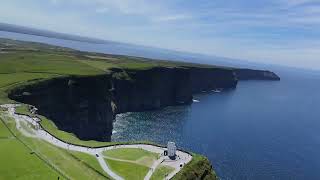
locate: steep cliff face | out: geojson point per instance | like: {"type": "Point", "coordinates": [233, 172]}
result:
{"type": "Point", "coordinates": [79, 105]}
{"type": "Point", "coordinates": [249, 74]}
{"type": "Point", "coordinates": [141, 90]}
{"type": "Point", "coordinates": [86, 106]}
{"type": "Point", "coordinates": [206, 79]}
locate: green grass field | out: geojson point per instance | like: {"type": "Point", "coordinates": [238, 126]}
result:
{"type": "Point", "coordinates": [53, 161]}
{"type": "Point", "coordinates": [14, 78]}
{"type": "Point", "coordinates": [41, 62]}
{"type": "Point", "coordinates": [130, 171]}
{"type": "Point", "coordinates": [17, 162]}
{"type": "Point", "coordinates": [132, 154]}
{"type": "Point", "coordinates": [4, 132]}
{"type": "Point", "coordinates": [91, 161]}
{"type": "Point", "coordinates": [65, 162]}
{"type": "Point", "coordinates": [99, 64]}
{"type": "Point", "coordinates": [135, 164]}
{"type": "Point", "coordinates": [161, 172]}
{"type": "Point", "coordinates": [23, 109]}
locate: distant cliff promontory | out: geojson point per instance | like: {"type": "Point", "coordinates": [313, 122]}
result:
{"type": "Point", "coordinates": [249, 74]}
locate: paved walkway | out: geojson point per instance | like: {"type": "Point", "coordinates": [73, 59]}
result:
{"type": "Point", "coordinates": [105, 167]}
{"type": "Point", "coordinates": [153, 168]}
{"type": "Point", "coordinates": [184, 158]}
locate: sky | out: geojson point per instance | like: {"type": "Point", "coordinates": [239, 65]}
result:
{"type": "Point", "coordinates": [285, 32]}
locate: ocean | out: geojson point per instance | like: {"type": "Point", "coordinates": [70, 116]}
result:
{"type": "Point", "coordinates": [260, 130]}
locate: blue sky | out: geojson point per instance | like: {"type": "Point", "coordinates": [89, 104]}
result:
{"type": "Point", "coordinates": [283, 32]}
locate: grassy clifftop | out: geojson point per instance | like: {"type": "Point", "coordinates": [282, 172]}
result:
{"type": "Point", "coordinates": [198, 168]}
{"type": "Point", "coordinates": [22, 62]}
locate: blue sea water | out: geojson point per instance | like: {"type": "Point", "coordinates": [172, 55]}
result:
{"type": "Point", "coordinates": [260, 130]}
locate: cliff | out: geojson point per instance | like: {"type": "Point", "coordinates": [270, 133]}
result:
{"type": "Point", "coordinates": [80, 105]}
{"type": "Point", "coordinates": [86, 106]}
{"type": "Point", "coordinates": [207, 79]}
{"type": "Point", "coordinates": [249, 74]}
{"type": "Point", "coordinates": [141, 90]}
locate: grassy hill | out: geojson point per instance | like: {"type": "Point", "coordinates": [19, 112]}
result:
{"type": "Point", "coordinates": [31, 158]}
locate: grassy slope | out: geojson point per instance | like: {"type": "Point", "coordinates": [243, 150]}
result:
{"type": "Point", "coordinates": [72, 167]}
{"type": "Point", "coordinates": [40, 62]}
{"type": "Point", "coordinates": [20, 67]}
{"type": "Point", "coordinates": [198, 168]}
{"type": "Point", "coordinates": [4, 132]}
{"type": "Point", "coordinates": [131, 154]}
{"type": "Point", "coordinates": [18, 163]}
{"type": "Point", "coordinates": [59, 162]}
{"type": "Point", "coordinates": [127, 170]}
{"type": "Point", "coordinates": [90, 161]}
{"type": "Point", "coordinates": [161, 172]}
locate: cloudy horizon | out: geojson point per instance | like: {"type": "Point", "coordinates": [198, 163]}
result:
{"type": "Point", "coordinates": [284, 32]}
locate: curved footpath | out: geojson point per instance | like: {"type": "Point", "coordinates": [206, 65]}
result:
{"type": "Point", "coordinates": [183, 158]}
